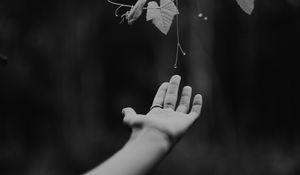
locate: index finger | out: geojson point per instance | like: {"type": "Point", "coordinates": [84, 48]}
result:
{"type": "Point", "coordinates": [160, 95]}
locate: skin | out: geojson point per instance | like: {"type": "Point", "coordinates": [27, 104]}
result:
{"type": "Point", "coordinates": [154, 134]}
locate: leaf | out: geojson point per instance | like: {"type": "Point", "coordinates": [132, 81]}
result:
{"type": "Point", "coordinates": [136, 11]}
{"type": "Point", "coordinates": [246, 5]}
{"type": "Point", "coordinates": [162, 16]}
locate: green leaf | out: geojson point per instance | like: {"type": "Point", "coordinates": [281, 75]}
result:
{"type": "Point", "coordinates": [246, 5]}
{"type": "Point", "coordinates": [162, 16]}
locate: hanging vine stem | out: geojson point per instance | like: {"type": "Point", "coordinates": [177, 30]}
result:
{"type": "Point", "coordinates": [119, 4]}
{"type": "Point", "coordinates": [116, 11]}
{"type": "Point", "coordinates": [130, 6]}
{"type": "Point", "coordinates": [178, 45]}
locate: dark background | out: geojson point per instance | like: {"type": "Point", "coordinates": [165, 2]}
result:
{"type": "Point", "coordinates": [72, 67]}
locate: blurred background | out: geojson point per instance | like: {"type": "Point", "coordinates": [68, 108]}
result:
{"type": "Point", "coordinates": [71, 68]}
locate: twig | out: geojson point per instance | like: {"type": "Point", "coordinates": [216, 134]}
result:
{"type": "Point", "coordinates": [130, 6]}
{"type": "Point", "coordinates": [178, 46]}
{"type": "Point", "coordinates": [119, 4]}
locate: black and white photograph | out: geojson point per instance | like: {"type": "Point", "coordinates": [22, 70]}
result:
{"type": "Point", "coordinates": [149, 87]}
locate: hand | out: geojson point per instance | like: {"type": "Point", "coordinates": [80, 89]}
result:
{"type": "Point", "coordinates": [164, 117]}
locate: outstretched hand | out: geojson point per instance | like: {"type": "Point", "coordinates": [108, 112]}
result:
{"type": "Point", "coordinates": [154, 134]}
{"type": "Point", "coordinates": [164, 116]}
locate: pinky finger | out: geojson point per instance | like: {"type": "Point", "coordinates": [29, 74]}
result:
{"type": "Point", "coordinates": [196, 107]}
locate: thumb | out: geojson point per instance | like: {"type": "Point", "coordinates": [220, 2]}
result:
{"type": "Point", "coordinates": [130, 116]}
{"type": "Point", "coordinates": [128, 111]}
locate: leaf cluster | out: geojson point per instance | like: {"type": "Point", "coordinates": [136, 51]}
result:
{"type": "Point", "coordinates": [162, 14]}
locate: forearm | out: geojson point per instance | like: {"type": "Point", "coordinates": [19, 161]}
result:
{"type": "Point", "coordinates": [154, 133]}
{"type": "Point", "coordinates": [137, 157]}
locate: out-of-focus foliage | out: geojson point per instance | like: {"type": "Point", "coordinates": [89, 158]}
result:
{"type": "Point", "coordinates": [71, 69]}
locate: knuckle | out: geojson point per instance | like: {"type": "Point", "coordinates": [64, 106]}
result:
{"type": "Point", "coordinates": [169, 105]}
{"type": "Point", "coordinates": [171, 99]}
{"type": "Point", "coordinates": [197, 103]}
{"type": "Point", "coordinates": [185, 94]}
{"type": "Point", "coordinates": [196, 108]}
{"type": "Point", "coordinates": [184, 101]}
{"type": "Point", "coordinates": [182, 108]}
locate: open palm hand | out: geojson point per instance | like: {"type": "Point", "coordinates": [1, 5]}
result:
{"type": "Point", "coordinates": [164, 117]}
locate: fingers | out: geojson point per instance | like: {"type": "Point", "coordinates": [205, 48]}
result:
{"type": "Point", "coordinates": [171, 95]}
{"type": "Point", "coordinates": [197, 105]}
{"type": "Point", "coordinates": [160, 95]}
{"type": "Point", "coordinates": [185, 99]}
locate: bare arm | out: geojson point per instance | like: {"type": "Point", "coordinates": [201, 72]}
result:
{"type": "Point", "coordinates": [155, 133]}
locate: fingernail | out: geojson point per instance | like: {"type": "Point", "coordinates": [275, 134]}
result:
{"type": "Point", "coordinates": [188, 87]}
{"type": "Point", "coordinates": [177, 76]}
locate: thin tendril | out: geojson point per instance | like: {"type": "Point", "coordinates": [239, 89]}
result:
{"type": "Point", "coordinates": [130, 6]}
{"type": "Point", "coordinates": [116, 11]}
{"type": "Point", "coordinates": [119, 4]}
{"type": "Point", "coordinates": [178, 47]}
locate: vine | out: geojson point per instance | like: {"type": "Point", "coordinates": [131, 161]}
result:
{"type": "Point", "coordinates": [162, 15]}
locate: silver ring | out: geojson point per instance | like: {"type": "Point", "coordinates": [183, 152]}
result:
{"type": "Point", "coordinates": [155, 106]}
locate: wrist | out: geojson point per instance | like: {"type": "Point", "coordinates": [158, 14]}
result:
{"type": "Point", "coordinates": [151, 136]}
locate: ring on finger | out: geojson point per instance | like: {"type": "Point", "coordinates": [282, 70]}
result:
{"type": "Point", "coordinates": [156, 106]}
